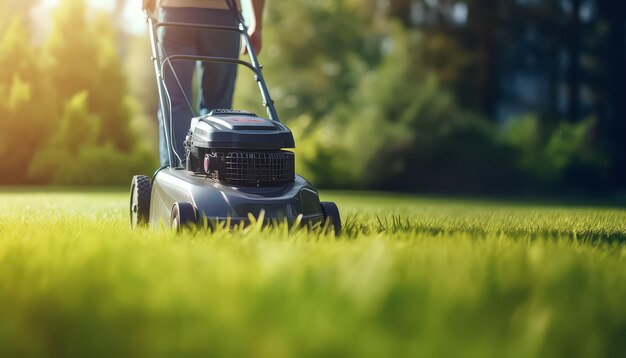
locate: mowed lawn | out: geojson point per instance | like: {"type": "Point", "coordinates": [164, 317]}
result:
{"type": "Point", "coordinates": [410, 277]}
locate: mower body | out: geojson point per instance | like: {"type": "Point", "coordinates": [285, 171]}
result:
{"type": "Point", "coordinates": [235, 165]}
{"type": "Point", "coordinates": [225, 203]}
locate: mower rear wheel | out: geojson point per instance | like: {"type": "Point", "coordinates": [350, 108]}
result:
{"type": "Point", "coordinates": [140, 192]}
{"type": "Point", "coordinates": [184, 215]}
{"type": "Point", "coordinates": [331, 213]}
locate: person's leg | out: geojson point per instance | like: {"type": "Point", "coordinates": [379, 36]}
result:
{"type": "Point", "coordinates": [178, 82]}
{"type": "Point", "coordinates": [218, 79]}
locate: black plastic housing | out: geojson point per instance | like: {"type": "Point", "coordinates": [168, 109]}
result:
{"type": "Point", "coordinates": [235, 129]}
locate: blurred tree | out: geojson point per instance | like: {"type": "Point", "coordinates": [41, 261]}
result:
{"type": "Point", "coordinates": [83, 56]}
{"type": "Point", "coordinates": [382, 94]}
{"type": "Point", "coordinates": [26, 102]}
{"type": "Point", "coordinates": [64, 109]}
{"type": "Point", "coordinates": [461, 40]}
{"type": "Point", "coordinates": [613, 114]}
{"type": "Point", "coordinates": [73, 154]}
{"type": "Point", "coordinates": [574, 52]}
{"type": "Point", "coordinates": [480, 37]}
{"type": "Point", "coordinates": [77, 128]}
{"type": "Point", "coordinates": [401, 130]}
{"type": "Point", "coordinates": [552, 43]}
{"type": "Point", "coordinates": [11, 8]}
{"type": "Point", "coordinates": [317, 51]}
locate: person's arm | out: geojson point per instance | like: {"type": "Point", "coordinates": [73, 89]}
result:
{"type": "Point", "coordinates": [148, 5]}
{"type": "Point", "coordinates": [257, 31]}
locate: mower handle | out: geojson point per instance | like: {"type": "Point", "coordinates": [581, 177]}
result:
{"type": "Point", "coordinates": [196, 26]}
{"type": "Point", "coordinates": [159, 62]}
{"type": "Point", "coordinates": [254, 64]}
{"type": "Point", "coordinates": [258, 76]}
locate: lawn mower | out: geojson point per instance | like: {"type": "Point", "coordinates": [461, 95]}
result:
{"type": "Point", "coordinates": [234, 164]}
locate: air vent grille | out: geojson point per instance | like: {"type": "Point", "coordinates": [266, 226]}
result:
{"type": "Point", "coordinates": [258, 167]}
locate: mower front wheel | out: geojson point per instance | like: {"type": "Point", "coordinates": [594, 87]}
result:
{"type": "Point", "coordinates": [140, 192]}
{"type": "Point", "coordinates": [184, 215]}
{"type": "Point", "coordinates": [331, 213]}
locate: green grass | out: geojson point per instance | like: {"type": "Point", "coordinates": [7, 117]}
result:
{"type": "Point", "coordinates": [412, 276]}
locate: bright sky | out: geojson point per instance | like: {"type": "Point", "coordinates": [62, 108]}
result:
{"type": "Point", "coordinates": [133, 18]}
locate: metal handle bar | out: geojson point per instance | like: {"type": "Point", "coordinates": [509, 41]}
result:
{"type": "Point", "coordinates": [254, 65]}
{"type": "Point", "coordinates": [159, 63]}
{"type": "Point", "coordinates": [213, 59]}
{"type": "Point", "coordinates": [267, 102]}
{"type": "Point", "coordinates": [241, 30]}
{"type": "Point", "coordinates": [196, 26]}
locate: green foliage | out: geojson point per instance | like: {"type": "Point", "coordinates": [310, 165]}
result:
{"type": "Point", "coordinates": [373, 104]}
{"type": "Point", "coordinates": [525, 134]}
{"type": "Point", "coordinates": [412, 277]}
{"type": "Point", "coordinates": [16, 52]}
{"type": "Point", "coordinates": [15, 98]}
{"type": "Point", "coordinates": [571, 142]}
{"type": "Point", "coordinates": [65, 105]}
{"type": "Point", "coordinates": [315, 52]}
{"type": "Point", "coordinates": [566, 157]}
{"type": "Point", "coordinates": [89, 60]}
{"type": "Point", "coordinates": [26, 102]}
{"type": "Point", "coordinates": [74, 156]}
{"type": "Point", "coordinates": [402, 130]}
{"type": "Point", "coordinates": [389, 118]}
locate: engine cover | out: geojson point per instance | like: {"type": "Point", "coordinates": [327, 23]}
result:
{"type": "Point", "coordinates": [236, 129]}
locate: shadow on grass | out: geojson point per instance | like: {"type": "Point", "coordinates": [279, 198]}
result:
{"type": "Point", "coordinates": [617, 201]}
{"type": "Point", "coordinates": [352, 227]}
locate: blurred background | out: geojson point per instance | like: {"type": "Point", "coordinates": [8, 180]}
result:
{"type": "Point", "coordinates": [434, 96]}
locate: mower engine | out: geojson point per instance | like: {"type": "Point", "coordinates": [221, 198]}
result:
{"type": "Point", "coordinates": [239, 148]}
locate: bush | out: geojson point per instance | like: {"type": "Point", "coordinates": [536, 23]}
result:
{"type": "Point", "coordinates": [74, 156]}
{"type": "Point", "coordinates": [66, 121]}
{"type": "Point", "coordinates": [402, 131]}
{"type": "Point", "coordinates": [565, 159]}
